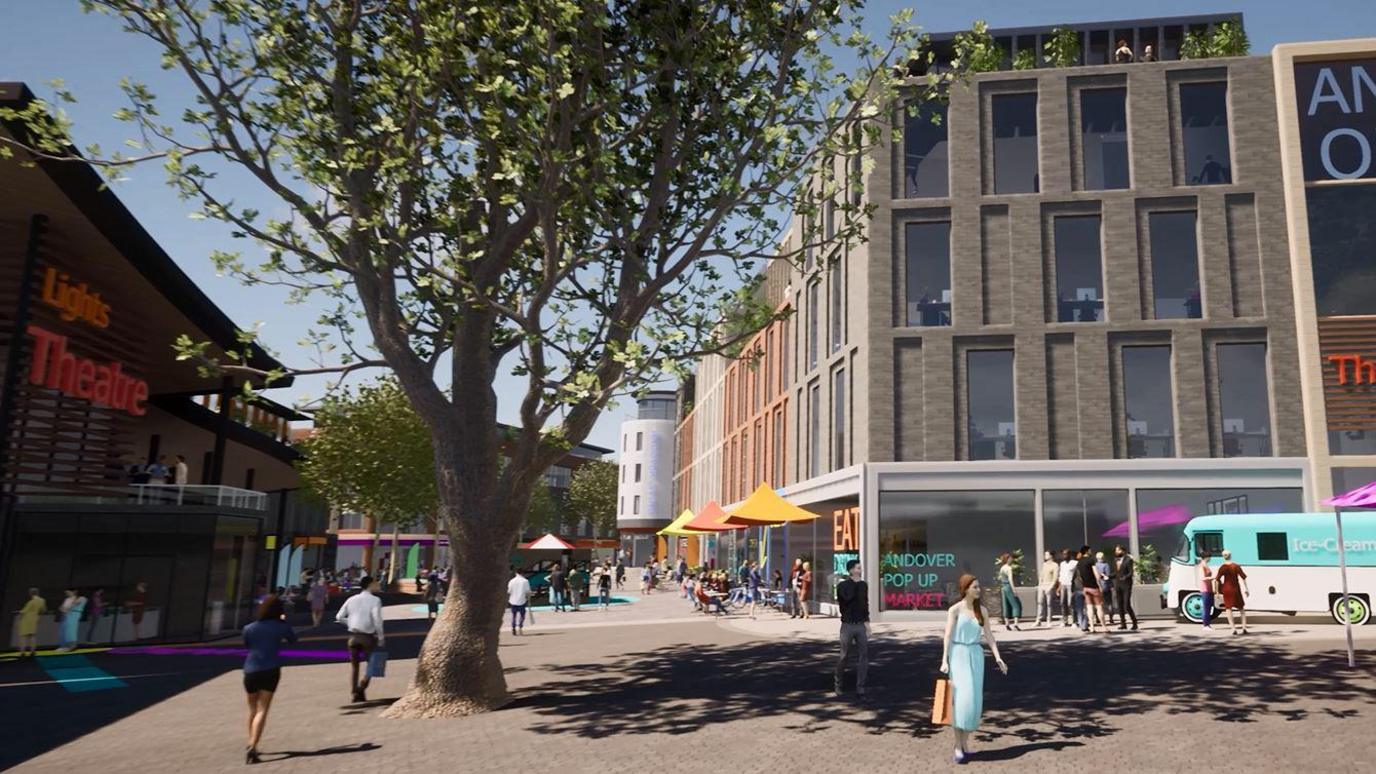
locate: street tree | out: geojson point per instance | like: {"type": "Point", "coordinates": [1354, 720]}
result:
{"type": "Point", "coordinates": [592, 496]}
{"type": "Point", "coordinates": [571, 192]}
{"type": "Point", "coordinates": [371, 453]}
{"type": "Point", "coordinates": [542, 515]}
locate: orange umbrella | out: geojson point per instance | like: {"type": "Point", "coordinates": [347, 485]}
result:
{"type": "Point", "coordinates": [711, 519]}
{"type": "Point", "coordinates": [765, 508]}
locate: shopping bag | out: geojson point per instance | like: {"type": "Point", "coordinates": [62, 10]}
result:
{"type": "Point", "coordinates": [377, 664]}
{"type": "Point", "coordinates": [941, 702]}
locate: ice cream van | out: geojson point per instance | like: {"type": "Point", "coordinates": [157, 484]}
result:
{"type": "Point", "coordinates": [1291, 561]}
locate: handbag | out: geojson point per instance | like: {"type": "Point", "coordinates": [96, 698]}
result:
{"type": "Point", "coordinates": [377, 664]}
{"type": "Point", "coordinates": [941, 702]}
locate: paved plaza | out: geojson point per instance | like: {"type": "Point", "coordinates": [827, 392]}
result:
{"type": "Point", "coordinates": [653, 685]}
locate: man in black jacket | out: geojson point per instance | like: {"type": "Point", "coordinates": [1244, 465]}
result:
{"type": "Point", "coordinates": [853, 597]}
{"type": "Point", "coordinates": [1122, 587]}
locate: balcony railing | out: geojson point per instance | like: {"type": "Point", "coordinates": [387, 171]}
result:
{"type": "Point", "coordinates": [201, 494]}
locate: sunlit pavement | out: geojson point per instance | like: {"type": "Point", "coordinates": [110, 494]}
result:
{"type": "Point", "coordinates": [601, 691]}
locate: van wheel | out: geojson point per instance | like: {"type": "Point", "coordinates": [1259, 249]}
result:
{"type": "Point", "coordinates": [1358, 609]}
{"type": "Point", "coordinates": [1192, 607]}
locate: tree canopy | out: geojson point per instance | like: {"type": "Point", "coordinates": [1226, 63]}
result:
{"type": "Point", "coordinates": [592, 496]}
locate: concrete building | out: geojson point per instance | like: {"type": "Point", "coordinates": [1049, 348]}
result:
{"type": "Point", "coordinates": [645, 479]}
{"type": "Point", "coordinates": [1073, 322]}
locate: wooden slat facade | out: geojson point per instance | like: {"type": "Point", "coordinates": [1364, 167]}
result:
{"type": "Point", "coordinates": [1350, 406]}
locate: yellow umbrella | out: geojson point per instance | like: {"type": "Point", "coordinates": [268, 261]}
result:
{"type": "Point", "coordinates": [676, 526]}
{"type": "Point", "coordinates": [764, 507]}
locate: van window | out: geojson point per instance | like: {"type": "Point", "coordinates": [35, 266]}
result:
{"type": "Point", "coordinates": [1272, 547]}
{"type": "Point", "coordinates": [1212, 542]}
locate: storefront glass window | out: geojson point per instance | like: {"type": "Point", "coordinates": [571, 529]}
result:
{"type": "Point", "coordinates": [1104, 138]}
{"type": "Point", "coordinates": [927, 540]}
{"type": "Point", "coordinates": [1204, 129]}
{"type": "Point", "coordinates": [1342, 243]}
{"type": "Point", "coordinates": [1079, 270]}
{"type": "Point", "coordinates": [1244, 400]}
{"type": "Point", "coordinates": [1015, 143]}
{"type": "Point", "coordinates": [990, 405]}
{"type": "Point", "coordinates": [1097, 518]}
{"type": "Point", "coordinates": [1148, 398]}
{"type": "Point", "coordinates": [925, 161]}
{"type": "Point", "coordinates": [1175, 266]}
{"type": "Point", "coordinates": [1163, 513]}
{"type": "Point", "coordinates": [928, 247]}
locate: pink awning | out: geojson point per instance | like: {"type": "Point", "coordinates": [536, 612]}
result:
{"type": "Point", "coordinates": [1156, 517]}
{"type": "Point", "coordinates": [1362, 497]}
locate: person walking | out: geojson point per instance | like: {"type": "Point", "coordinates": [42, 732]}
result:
{"type": "Point", "coordinates": [647, 577]}
{"type": "Point", "coordinates": [517, 598]}
{"type": "Point", "coordinates": [962, 658]}
{"type": "Point", "coordinates": [361, 614]}
{"type": "Point", "coordinates": [95, 609]}
{"type": "Point", "coordinates": [29, 614]}
{"type": "Point", "coordinates": [1232, 585]}
{"type": "Point", "coordinates": [1012, 606]}
{"type": "Point", "coordinates": [604, 587]}
{"type": "Point", "coordinates": [793, 579]}
{"type": "Point", "coordinates": [1066, 584]}
{"type": "Point", "coordinates": [576, 580]}
{"type": "Point", "coordinates": [1123, 572]}
{"type": "Point", "coordinates": [1046, 587]}
{"type": "Point", "coordinates": [557, 586]}
{"type": "Point", "coordinates": [433, 595]}
{"type": "Point", "coordinates": [73, 605]}
{"type": "Point", "coordinates": [318, 595]}
{"type": "Point", "coordinates": [263, 666]}
{"type": "Point", "coordinates": [1205, 574]}
{"type": "Point", "coordinates": [754, 586]}
{"type": "Point", "coordinates": [853, 598]}
{"type": "Point", "coordinates": [805, 590]}
{"type": "Point", "coordinates": [138, 607]}
{"type": "Point", "coordinates": [620, 574]}
{"type": "Point", "coordinates": [682, 569]}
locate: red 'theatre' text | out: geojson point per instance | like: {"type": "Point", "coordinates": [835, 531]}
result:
{"type": "Point", "coordinates": [104, 384]}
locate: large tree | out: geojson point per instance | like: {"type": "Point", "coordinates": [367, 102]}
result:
{"type": "Point", "coordinates": [592, 496]}
{"type": "Point", "coordinates": [563, 189]}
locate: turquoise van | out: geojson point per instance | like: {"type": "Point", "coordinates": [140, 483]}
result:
{"type": "Point", "coordinates": [1291, 561]}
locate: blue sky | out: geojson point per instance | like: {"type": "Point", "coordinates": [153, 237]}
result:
{"type": "Point", "coordinates": [50, 39]}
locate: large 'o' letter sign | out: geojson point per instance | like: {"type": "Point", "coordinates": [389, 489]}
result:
{"type": "Point", "coordinates": [1336, 103]}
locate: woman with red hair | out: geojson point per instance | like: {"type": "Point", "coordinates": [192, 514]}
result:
{"type": "Point", "coordinates": [962, 657]}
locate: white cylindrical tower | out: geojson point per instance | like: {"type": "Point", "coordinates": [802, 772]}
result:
{"type": "Point", "coordinates": [645, 479]}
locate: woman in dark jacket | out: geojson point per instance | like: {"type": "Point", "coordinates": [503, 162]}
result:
{"type": "Point", "coordinates": [263, 667]}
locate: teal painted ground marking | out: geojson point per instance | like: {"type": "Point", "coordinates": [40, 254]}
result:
{"type": "Point", "coordinates": [78, 675]}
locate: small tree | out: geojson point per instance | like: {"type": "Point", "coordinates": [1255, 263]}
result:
{"type": "Point", "coordinates": [1025, 60]}
{"type": "Point", "coordinates": [542, 516]}
{"type": "Point", "coordinates": [976, 51]}
{"type": "Point", "coordinates": [1063, 49]}
{"type": "Point", "coordinates": [592, 496]}
{"type": "Point", "coordinates": [1195, 45]}
{"type": "Point", "coordinates": [1229, 39]}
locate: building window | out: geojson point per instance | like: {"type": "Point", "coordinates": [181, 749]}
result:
{"type": "Point", "coordinates": [1015, 143]}
{"type": "Point", "coordinates": [637, 472]}
{"type": "Point", "coordinates": [837, 285]}
{"type": "Point", "coordinates": [1244, 400]}
{"type": "Point", "coordinates": [926, 163]}
{"type": "Point", "coordinates": [1079, 269]}
{"type": "Point", "coordinates": [1273, 547]}
{"type": "Point", "coordinates": [769, 355]}
{"type": "Point", "coordinates": [785, 346]}
{"type": "Point", "coordinates": [1342, 243]}
{"type": "Point", "coordinates": [989, 405]}
{"type": "Point", "coordinates": [813, 310]}
{"type": "Point", "coordinates": [639, 441]}
{"type": "Point", "coordinates": [814, 431]}
{"type": "Point", "coordinates": [928, 257]}
{"type": "Point", "coordinates": [838, 419]}
{"type": "Point", "coordinates": [623, 475]}
{"type": "Point", "coordinates": [1175, 266]}
{"type": "Point", "coordinates": [1148, 398]}
{"type": "Point", "coordinates": [1097, 518]}
{"type": "Point", "coordinates": [776, 476]}
{"type": "Point", "coordinates": [1204, 130]}
{"type": "Point", "coordinates": [636, 506]}
{"type": "Point", "coordinates": [927, 540]}
{"type": "Point", "coordinates": [621, 507]}
{"type": "Point", "coordinates": [625, 440]}
{"type": "Point", "coordinates": [1104, 138]}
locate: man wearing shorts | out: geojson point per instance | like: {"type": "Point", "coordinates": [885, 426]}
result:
{"type": "Point", "coordinates": [362, 615]}
{"type": "Point", "coordinates": [517, 597]}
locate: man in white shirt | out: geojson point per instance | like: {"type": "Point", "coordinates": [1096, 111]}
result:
{"type": "Point", "coordinates": [362, 615]}
{"type": "Point", "coordinates": [1067, 581]}
{"type": "Point", "coordinates": [518, 596]}
{"type": "Point", "coordinates": [180, 471]}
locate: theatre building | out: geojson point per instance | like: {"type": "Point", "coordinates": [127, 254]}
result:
{"type": "Point", "coordinates": [1074, 321]}
{"type": "Point", "coordinates": [90, 307]}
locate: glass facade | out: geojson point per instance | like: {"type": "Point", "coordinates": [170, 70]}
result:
{"type": "Point", "coordinates": [928, 259]}
{"type": "Point", "coordinates": [813, 310]}
{"type": "Point", "coordinates": [814, 431]}
{"type": "Point", "coordinates": [1244, 400]}
{"type": "Point", "coordinates": [1175, 266]}
{"type": "Point", "coordinates": [1104, 138]}
{"type": "Point", "coordinates": [927, 540]}
{"type": "Point", "coordinates": [1204, 131]}
{"type": "Point", "coordinates": [1342, 244]}
{"type": "Point", "coordinates": [837, 285]}
{"type": "Point", "coordinates": [1015, 143]}
{"type": "Point", "coordinates": [926, 164]}
{"type": "Point", "coordinates": [1148, 400]}
{"type": "Point", "coordinates": [1097, 518]}
{"type": "Point", "coordinates": [1079, 269]}
{"type": "Point", "coordinates": [990, 405]}
{"type": "Point", "coordinates": [1162, 514]}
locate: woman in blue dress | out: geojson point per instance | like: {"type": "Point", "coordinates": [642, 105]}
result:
{"type": "Point", "coordinates": [962, 658]}
{"type": "Point", "coordinates": [72, 609]}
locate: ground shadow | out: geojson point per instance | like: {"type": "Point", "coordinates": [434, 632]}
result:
{"type": "Point", "coordinates": [1019, 750]}
{"type": "Point", "coordinates": [281, 755]}
{"type": "Point", "coordinates": [1057, 691]}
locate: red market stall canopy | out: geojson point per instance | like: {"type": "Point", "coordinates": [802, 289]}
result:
{"type": "Point", "coordinates": [676, 527]}
{"type": "Point", "coordinates": [764, 507]}
{"type": "Point", "coordinates": [711, 519]}
{"type": "Point", "coordinates": [548, 543]}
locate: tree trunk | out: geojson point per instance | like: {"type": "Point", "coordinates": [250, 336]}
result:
{"type": "Point", "coordinates": [396, 546]}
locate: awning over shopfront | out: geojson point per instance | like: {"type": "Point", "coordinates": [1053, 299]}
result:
{"type": "Point", "coordinates": [1362, 497]}
{"type": "Point", "coordinates": [548, 543]}
{"type": "Point", "coordinates": [711, 519]}
{"type": "Point", "coordinates": [676, 527]}
{"type": "Point", "coordinates": [1153, 519]}
{"type": "Point", "coordinates": [764, 507]}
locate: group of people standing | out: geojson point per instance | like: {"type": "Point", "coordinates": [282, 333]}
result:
{"type": "Point", "coordinates": [1088, 589]}
{"type": "Point", "coordinates": [76, 608]}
